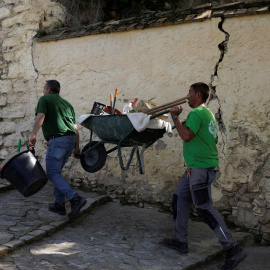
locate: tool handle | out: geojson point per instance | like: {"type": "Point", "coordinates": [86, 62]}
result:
{"type": "Point", "coordinates": [168, 105]}
{"type": "Point", "coordinates": [160, 108]}
{"type": "Point", "coordinates": [115, 96]}
{"type": "Point", "coordinates": [19, 145]}
{"type": "Point", "coordinates": [134, 102]}
{"type": "Point", "coordinates": [111, 98]}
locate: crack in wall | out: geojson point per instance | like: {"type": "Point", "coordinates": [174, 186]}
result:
{"type": "Point", "coordinates": [32, 55]}
{"type": "Point", "coordinates": [34, 66]}
{"type": "Point", "coordinates": [33, 61]}
{"type": "Point", "coordinates": [213, 95]}
{"type": "Point", "coordinates": [3, 62]}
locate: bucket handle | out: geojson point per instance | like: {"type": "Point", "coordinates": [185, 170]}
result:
{"type": "Point", "coordinates": [31, 149]}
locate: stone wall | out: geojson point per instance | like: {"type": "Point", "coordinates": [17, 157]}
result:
{"type": "Point", "coordinates": [158, 63]}
{"type": "Point", "coordinates": [243, 93]}
{"type": "Point", "coordinates": [19, 90]}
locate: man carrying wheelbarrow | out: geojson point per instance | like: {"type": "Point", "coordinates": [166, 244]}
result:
{"type": "Point", "coordinates": [57, 118]}
{"type": "Point", "coordinates": [201, 156]}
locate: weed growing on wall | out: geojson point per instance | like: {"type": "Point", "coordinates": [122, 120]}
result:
{"type": "Point", "coordinates": [84, 12]}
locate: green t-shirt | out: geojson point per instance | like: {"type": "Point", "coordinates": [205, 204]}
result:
{"type": "Point", "coordinates": [201, 150]}
{"type": "Point", "coordinates": [59, 116]}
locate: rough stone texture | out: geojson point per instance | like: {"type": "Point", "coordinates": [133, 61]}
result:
{"type": "Point", "coordinates": [159, 63]}
{"type": "Point", "coordinates": [20, 21]}
{"type": "Point", "coordinates": [243, 76]}
{"type": "Point", "coordinates": [4, 12]}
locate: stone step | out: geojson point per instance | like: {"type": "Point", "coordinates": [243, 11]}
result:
{"type": "Point", "coordinates": [25, 220]}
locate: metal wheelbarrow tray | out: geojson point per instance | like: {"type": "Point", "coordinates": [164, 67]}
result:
{"type": "Point", "coordinates": [116, 129]}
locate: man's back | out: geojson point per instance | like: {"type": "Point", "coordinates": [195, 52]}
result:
{"type": "Point", "coordinates": [59, 115]}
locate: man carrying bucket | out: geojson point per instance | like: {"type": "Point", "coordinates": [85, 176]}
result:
{"type": "Point", "coordinates": [57, 118]}
{"type": "Point", "coordinates": [201, 156]}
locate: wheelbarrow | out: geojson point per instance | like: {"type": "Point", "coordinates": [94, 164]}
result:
{"type": "Point", "coordinates": [116, 129]}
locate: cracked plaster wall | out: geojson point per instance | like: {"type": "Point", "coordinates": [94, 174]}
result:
{"type": "Point", "coordinates": [242, 87]}
{"type": "Point", "coordinates": [158, 63]}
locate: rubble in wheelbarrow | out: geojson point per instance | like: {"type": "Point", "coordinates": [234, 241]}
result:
{"type": "Point", "coordinates": [145, 105]}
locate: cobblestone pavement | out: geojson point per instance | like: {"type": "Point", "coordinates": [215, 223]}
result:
{"type": "Point", "coordinates": [107, 235]}
{"type": "Point", "coordinates": [258, 259]}
{"type": "Point", "coordinates": [24, 220]}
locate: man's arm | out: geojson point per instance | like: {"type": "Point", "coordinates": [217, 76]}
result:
{"type": "Point", "coordinates": [184, 132]}
{"type": "Point", "coordinates": [37, 125]}
{"type": "Point", "coordinates": [77, 146]}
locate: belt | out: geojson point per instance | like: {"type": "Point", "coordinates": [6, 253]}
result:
{"type": "Point", "coordinates": [57, 136]}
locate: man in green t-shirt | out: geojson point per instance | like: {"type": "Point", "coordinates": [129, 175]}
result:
{"type": "Point", "coordinates": [199, 134]}
{"type": "Point", "coordinates": [57, 118]}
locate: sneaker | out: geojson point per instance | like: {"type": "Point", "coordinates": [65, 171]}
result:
{"type": "Point", "coordinates": [175, 244]}
{"type": "Point", "coordinates": [76, 203]}
{"type": "Point", "coordinates": [58, 207]}
{"type": "Point", "coordinates": [234, 256]}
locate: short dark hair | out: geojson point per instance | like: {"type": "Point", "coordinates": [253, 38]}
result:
{"type": "Point", "coordinates": [53, 85]}
{"type": "Point", "coordinates": [202, 88]}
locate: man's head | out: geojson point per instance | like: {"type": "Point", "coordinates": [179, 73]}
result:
{"type": "Point", "coordinates": [199, 93]}
{"type": "Point", "coordinates": [51, 86]}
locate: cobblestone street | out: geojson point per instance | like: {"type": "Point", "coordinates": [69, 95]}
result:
{"type": "Point", "coordinates": [107, 235]}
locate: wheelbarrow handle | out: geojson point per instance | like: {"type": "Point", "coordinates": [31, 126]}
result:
{"type": "Point", "coordinates": [159, 114]}
{"type": "Point", "coordinates": [163, 107]}
{"type": "Point", "coordinates": [167, 111]}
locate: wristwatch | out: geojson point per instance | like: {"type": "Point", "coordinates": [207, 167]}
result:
{"type": "Point", "coordinates": [174, 117]}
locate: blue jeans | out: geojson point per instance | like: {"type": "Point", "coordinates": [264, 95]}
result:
{"type": "Point", "coordinates": [58, 151]}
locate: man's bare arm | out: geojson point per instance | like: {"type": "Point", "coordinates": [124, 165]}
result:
{"type": "Point", "coordinates": [77, 147]}
{"type": "Point", "coordinates": [37, 125]}
{"type": "Point", "coordinates": [184, 132]}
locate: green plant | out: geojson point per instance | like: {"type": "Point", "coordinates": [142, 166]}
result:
{"type": "Point", "coordinates": [81, 12]}
{"type": "Point", "coordinates": [40, 33]}
{"type": "Point", "coordinates": [58, 24]}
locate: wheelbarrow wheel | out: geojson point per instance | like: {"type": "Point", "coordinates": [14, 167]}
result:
{"type": "Point", "coordinates": [95, 159]}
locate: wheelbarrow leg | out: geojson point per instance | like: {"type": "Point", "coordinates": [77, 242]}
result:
{"type": "Point", "coordinates": [129, 160]}
{"type": "Point", "coordinates": [91, 135]}
{"type": "Point", "coordinates": [120, 153]}
{"type": "Point", "coordinates": [140, 158]}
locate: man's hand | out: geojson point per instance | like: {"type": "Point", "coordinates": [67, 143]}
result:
{"type": "Point", "coordinates": [76, 152]}
{"type": "Point", "coordinates": [184, 132]}
{"type": "Point", "coordinates": [176, 110]}
{"type": "Point", "coordinates": [77, 149]}
{"type": "Point", "coordinates": [32, 141]}
{"type": "Point", "coordinates": [37, 125]}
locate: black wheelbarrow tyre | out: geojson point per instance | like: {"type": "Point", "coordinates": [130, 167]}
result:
{"type": "Point", "coordinates": [95, 159]}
